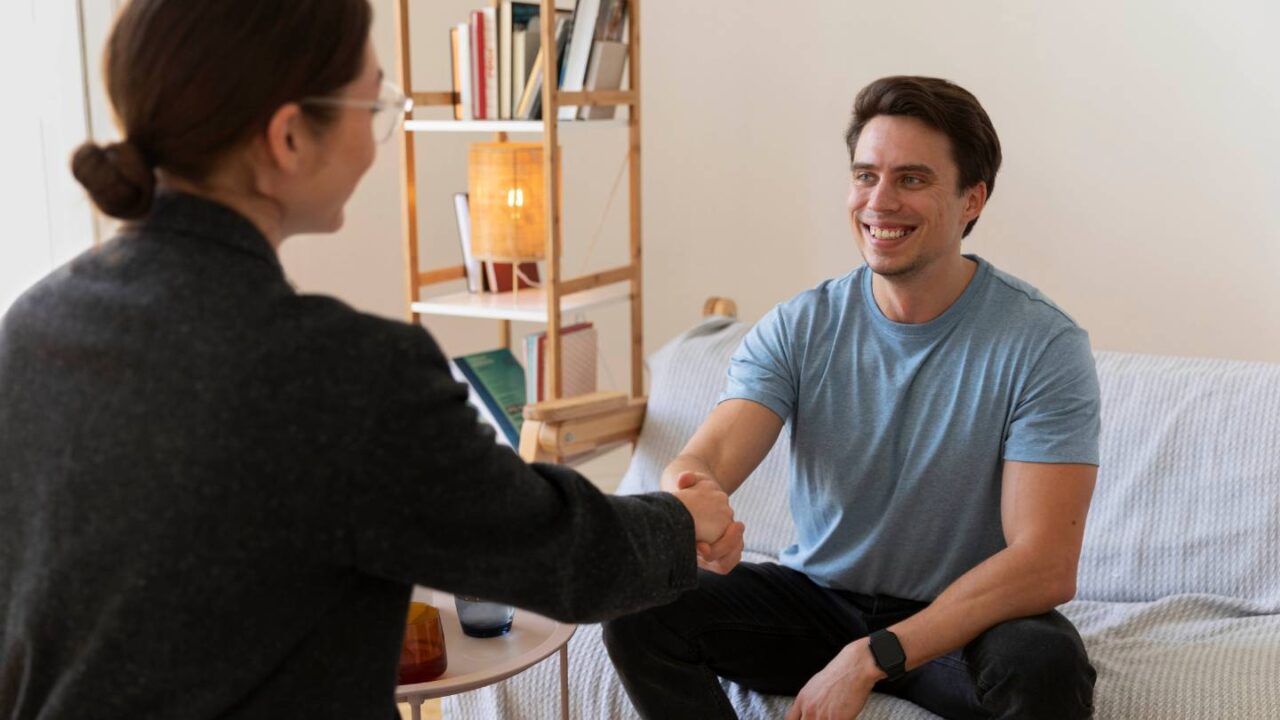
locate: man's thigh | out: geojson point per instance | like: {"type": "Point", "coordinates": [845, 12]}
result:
{"type": "Point", "coordinates": [763, 626]}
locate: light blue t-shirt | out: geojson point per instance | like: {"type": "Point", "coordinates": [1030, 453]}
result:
{"type": "Point", "coordinates": [899, 431]}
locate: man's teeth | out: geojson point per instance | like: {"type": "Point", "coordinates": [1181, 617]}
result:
{"type": "Point", "coordinates": [887, 234]}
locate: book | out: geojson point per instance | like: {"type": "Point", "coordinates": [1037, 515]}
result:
{"type": "Point", "coordinates": [497, 380]}
{"type": "Point", "coordinates": [478, 89]}
{"type": "Point", "coordinates": [504, 60]}
{"type": "Point", "coordinates": [513, 16]}
{"type": "Point", "coordinates": [578, 348]}
{"type": "Point", "coordinates": [578, 52]}
{"type": "Point", "coordinates": [454, 68]}
{"type": "Point", "coordinates": [611, 22]}
{"type": "Point", "coordinates": [519, 66]}
{"type": "Point", "coordinates": [490, 58]}
{"type": "Point", "coordinates": [473, 267]}
{"type": "Point", "coordinates": [498, 275]}
{"type": "Point", "coordinates": [608, 60]}
{"type": "Point", "coordinates": [530, 107]}
{"type": "Point", "coordinates": [462, 69]}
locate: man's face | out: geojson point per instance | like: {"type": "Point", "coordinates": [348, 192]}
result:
{"type": "Point", "coordinates": [903, 205]}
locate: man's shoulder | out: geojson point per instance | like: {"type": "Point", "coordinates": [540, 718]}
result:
{"type": "Point", "coordinates": [831, 297]}
{"type": "Point", "coordinates": [1018, 302]}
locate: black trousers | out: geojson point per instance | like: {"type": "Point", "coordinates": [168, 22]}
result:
{"type": "Point", "coordinates": [771, 629]}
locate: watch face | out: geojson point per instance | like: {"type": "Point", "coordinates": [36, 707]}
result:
{"type": "Point", "coordinates": [887, 650]}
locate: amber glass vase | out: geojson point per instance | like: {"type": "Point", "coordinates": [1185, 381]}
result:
{"type": "Point", "coordinates": [422, 655]}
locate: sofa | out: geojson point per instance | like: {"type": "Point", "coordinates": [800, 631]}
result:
{"type": "Point", "coordinates": [1178, 596]}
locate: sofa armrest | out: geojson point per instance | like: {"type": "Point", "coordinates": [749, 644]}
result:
{"type": "Point", "coordinates": [565, 430]}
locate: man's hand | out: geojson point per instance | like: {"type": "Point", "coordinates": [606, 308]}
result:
{"type": "Point", "coordinates": [839, 690]}
{"type": "Point", "coordinates": [708, 504]}
{"type": "Point", "coordinates": [725, 552]}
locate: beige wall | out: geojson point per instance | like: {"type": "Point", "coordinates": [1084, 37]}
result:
{"type": "Point", "coordinates": [1140, 189]}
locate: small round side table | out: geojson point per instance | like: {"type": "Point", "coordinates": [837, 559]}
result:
{"type": "Point", "coordinates": [477, 662]}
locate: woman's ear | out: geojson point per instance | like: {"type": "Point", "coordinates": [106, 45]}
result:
{"type": "Point", "coordinates": [284, 139]}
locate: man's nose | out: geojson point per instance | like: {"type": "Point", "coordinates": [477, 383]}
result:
{"type": "Point", "coordinates": [883, 197]}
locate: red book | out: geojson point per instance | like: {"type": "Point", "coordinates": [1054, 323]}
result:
{"type": "Point", "coordinates": [498, 275]}
{"type": "Point", "coordinates": [477, 66]}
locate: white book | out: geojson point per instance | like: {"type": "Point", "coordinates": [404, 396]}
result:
{"type": "Point", "coordinates": [475, 277]}
{"type": "Point", "coordinates": [608, 60]}
{"type": "Point", "coordinates": [519, 69]}
{"type": "Point", "coordinates": [464, 73]}
{"type": "Point", "coordinates": [578, 52]}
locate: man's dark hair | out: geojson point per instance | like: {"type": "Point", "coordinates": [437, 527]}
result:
{"type": "Point", "coordinates": [944, 106]}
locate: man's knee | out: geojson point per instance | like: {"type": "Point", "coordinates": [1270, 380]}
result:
{"type": "Point", "coordinates": [1033, 668]}
{"type": "Point", "coordinates": [624, 633]}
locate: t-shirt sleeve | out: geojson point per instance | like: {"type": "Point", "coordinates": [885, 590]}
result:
{"type": "Point", "coordinates": [1057, 415]}
{"type": "Point", "coordinates": [763, 369]}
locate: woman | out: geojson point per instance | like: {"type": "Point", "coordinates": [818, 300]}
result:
{"type": "Point", "coordinates": [216, 493]}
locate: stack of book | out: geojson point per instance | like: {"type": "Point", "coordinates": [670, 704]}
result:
{"type": "Point", "coordinates": [499, 388]}
{"type": "Point", "coordinates": [498, 58]}
{"type": "Point", "coordinates": [578, 359]}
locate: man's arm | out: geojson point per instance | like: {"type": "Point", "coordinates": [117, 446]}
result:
{"type": "Point", "coordinates": [727, 447]}
{"type": "Point", "coordinates": [1042, 508]}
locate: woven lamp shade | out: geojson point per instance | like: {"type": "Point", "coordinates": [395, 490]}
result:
{"type": "Point", "coordinates": [508, 202]}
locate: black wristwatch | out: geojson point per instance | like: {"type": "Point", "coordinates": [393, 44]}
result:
{"type": "Point", "coordinates": [888, 653]}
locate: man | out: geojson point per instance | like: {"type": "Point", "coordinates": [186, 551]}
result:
{"type": "Point", "coordinates": [944, 422]}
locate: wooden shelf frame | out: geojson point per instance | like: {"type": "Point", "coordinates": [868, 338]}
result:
{"type": "Point", "coordinates": [560, 294]}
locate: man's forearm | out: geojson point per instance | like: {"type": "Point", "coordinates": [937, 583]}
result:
{"type": "Point", "coordinates": [1015, 582]}
{"type": "Point", "coordinates": [684, 462]}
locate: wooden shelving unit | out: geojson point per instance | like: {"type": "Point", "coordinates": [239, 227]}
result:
{"type": "Point", "coordinates": [558, 295]}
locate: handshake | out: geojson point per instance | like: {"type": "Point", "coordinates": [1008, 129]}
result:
{"type": "Point", "coordinates": [718, 535]}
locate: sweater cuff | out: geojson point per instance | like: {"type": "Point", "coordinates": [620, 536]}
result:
{"type": "Point", "coordinates": [680, 557]}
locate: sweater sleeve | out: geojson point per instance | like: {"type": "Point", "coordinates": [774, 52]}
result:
{"type": "Point", "coordinates": [437, 502]}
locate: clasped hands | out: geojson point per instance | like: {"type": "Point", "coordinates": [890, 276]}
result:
{"type": "Point", "coordinates": [718, 535]}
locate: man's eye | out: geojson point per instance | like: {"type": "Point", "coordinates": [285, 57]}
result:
{"type": "Point", "coordinates": [864, 178]}
{"type": "Point", "coordinates": [912, 180]}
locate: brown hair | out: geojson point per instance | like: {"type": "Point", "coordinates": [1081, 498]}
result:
{"type": "Point", "coordinates": [944, 106]}
{"type": "Point", "coordinates": [191, 80]}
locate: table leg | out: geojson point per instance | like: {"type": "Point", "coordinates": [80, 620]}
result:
{"type": "Point", "coordinates": [564, 682]}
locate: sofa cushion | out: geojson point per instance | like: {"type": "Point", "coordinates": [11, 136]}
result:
{"type": "Point", "coordinates": [1188, 495]}
{"type": "Point", "coordinates": [1184, 657]}
{"type": "Point", "coordinates": [687, 375]}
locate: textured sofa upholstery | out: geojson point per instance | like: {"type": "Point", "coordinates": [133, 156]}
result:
{"type": "Point", "coordinates": [1179, 589]}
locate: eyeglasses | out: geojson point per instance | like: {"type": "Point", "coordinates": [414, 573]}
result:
{"type": "Point", "coordinates": [388, 110]}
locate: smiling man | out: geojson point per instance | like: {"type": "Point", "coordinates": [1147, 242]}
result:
{"type": "Point", "coordinates": [944, 423]}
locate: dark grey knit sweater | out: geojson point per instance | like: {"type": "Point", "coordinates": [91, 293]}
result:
{"type": "Point", "coordinates": [216, 493]}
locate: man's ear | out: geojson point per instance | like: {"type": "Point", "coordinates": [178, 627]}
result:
{"type": "Point", "coordinates": [975, 198]}
{"type": "Point", "coordinates": [284, 140]}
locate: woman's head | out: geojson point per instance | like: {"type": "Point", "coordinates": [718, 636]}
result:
{"type": "Point", "coordinates": [213, 94]}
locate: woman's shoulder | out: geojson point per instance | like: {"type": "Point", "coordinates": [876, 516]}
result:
{"type": "Point", "coordinates": [326, 327]}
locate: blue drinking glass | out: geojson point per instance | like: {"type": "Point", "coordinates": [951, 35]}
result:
{"type": "Point", "coordinates": [481, 618]}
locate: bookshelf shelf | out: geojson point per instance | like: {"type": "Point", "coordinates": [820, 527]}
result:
{"type": "Point", "coordinates": [495, 126]}
{"type": "Point", "coordinates": [528, 305]}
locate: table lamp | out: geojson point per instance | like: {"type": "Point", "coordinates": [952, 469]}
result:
{"type": "Point", "coordinates": [508, 201]}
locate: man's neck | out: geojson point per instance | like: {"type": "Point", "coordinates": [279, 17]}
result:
{"type": "Point", "coordinates": [926, 294]}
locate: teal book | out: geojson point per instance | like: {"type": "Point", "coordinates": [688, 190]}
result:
{"type": "Point", "coordinates": [497, 380]}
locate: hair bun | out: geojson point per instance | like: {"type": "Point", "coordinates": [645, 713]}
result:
{"type": "Point", "coordinates": [119, 179]}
